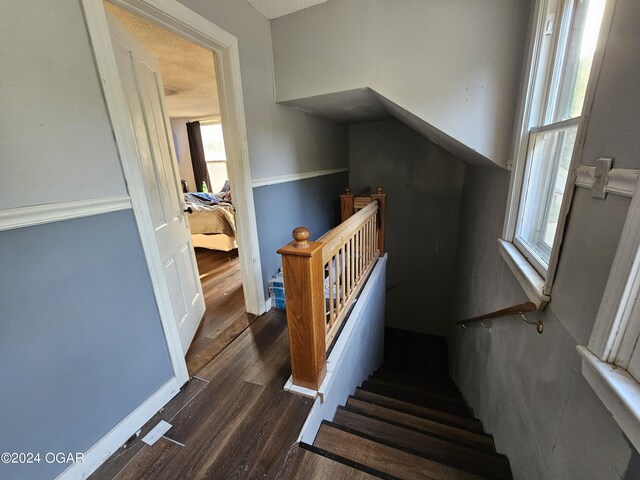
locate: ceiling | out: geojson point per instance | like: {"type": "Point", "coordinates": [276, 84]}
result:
{"type": "Point", "coordinates": [279, 8]}
{"type": "Point", "coordinates": [367, 105]}
{"type": "Point", "coordinates": [187, 70]}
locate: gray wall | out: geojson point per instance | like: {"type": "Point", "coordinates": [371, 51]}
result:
{"type": "Point", "coordinates": [312, 203]}
{"type": "Point", "coordinates": [528, 388]}
{"type": "Point", "coordinates": [81, 344]}
{"type": "Point", "coordinates": [424, 188]}
{"type": "Point", "coordinates": [456, 64]}
{"type": "Point", "coordinates": [281, 140]}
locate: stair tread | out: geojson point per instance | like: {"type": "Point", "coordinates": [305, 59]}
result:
{"type": "Point", "coordinates": [417, 375]}
{"type": "Point", "coordinates": [423, 399]}
{"type": "Point", "coordinates": [310, 465]}
{"type": "Point", "coordinates": [463, 436]}
{"type": "Point", "coordinates": [419, 410]}
{"type": "Point", "coordinates": [451, 396]}
{"type": "Point", "coordinates": [416, 381]}
{"type": "Point", "coordinates": [435, 448]}
{"type": "Point", "coordinates": [390, 460]}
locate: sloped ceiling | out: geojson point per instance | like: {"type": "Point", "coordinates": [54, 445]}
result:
{"type": "Point", "coordinates": [367, 105]}
{"type": "Point", "coordinates": [279, 8]}
{"type": "Point", "coordinates": [187, 70]}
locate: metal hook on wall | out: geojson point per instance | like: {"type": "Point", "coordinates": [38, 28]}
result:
{"type": "Point", "coordinates": [539, 325]}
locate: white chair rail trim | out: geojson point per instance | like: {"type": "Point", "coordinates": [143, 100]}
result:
{"type": "Point", "coordinates": [21, 217]}
{"type": "Point", "coordinates": [620, 181]}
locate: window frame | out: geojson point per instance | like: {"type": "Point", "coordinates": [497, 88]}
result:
{"type": "Point", "coordinates": [616, 332]}
{"type": "Point", "coordinates": [215, 121]}
{"type": "Point", "coordinates": [528, 270]}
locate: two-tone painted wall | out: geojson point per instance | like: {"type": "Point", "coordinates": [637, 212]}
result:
{"type": "Point", "coordinates": [282, 141]}
{"type": "Point", "coordinates": [81, 342]}
{"type": "Point", "coordinates": [528, 389]}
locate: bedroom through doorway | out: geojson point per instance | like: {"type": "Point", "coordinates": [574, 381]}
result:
{"type": "Point", "coordinates": [192, 106]}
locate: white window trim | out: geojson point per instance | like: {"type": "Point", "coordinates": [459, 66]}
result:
{"type": "Point", "coordinates": [537, 287]}
{"type": "Point", "coordinates": [617, 315]}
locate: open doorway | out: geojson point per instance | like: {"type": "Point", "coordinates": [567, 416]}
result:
{"type": "Point", "coordinates": [190, 100]}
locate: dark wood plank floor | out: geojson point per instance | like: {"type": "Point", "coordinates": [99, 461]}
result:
{"type": "Point", "coordinates": [225, 316]}
{"type": "Point", "coordinates": [234, 419]}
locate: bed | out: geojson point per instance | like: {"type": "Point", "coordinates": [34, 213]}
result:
{"type": "Point", "coordinates": [212, 221]}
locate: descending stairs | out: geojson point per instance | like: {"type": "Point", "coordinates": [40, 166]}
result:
{"type": "Point", "coordinates": [400, 425]}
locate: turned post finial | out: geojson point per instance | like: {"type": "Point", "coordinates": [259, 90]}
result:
{"type": "Point", "coordinates": [300, 235]}
{"type": "Point", "coordinates": [378, 190]}
{"type": "Point", "coordinates": [347, 190]}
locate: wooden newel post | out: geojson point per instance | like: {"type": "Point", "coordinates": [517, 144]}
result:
{"type": "Point", "coordinates": [381, 197]}
{"type": "Point", "coordinates": [304, 291]}
{"type": "Point", "coordinates": [346, 204]}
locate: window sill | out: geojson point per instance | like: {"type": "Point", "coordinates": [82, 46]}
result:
{"type": "Point", "coordinates": [618, 390]}
{"type": "Point", "coordinates": [528, 278]}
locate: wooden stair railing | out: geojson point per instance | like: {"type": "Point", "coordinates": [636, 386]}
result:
{"type": "Point", "coordinates": [322, 279]}
{"type": "Point", "coordinates": [519, 309]}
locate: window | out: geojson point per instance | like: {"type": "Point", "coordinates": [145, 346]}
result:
{"type": "Point", "coordinates": [214, 154]}
{"type": "Point", "coordinates": [564, 43]}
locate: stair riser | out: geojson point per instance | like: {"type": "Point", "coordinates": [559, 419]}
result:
{"type": "Point", "coordinates": [419, 411]}
{"type": "Point", "coordinates": [437, 395]}
{"type": "Point", "coordinates": [419, 399]}
{"type": "Point", "coordinates": [384, 458]}
{"type": "Point", "coordinates": [463, 437]}
{"type": "Point", "coordinates": [443, 451]}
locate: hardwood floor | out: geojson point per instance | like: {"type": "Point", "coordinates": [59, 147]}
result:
{"type": "Point", "coordinates": [233, 420]}
{"type": "Point", "coordinates": [225, 316]}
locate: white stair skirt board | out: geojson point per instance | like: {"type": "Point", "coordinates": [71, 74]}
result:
{"type": "Point", "coordinates": [356, 354]}
{"type": "Point", "coordinates": [112, 441]}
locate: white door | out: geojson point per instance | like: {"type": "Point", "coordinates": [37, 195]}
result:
{"type": "Point", "coordinates": [145, 96]}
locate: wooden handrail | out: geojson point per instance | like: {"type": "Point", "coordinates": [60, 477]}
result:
{"type": "Point", "coordinates": [519, 309]}
{"type": "Point", "coordinates": [322, 280]}
{"type": "Point", "coordinates": [336, 237]}
{"type": "Point", "coordinates": [350, 204]}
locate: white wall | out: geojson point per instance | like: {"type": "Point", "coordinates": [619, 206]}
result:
{"type": "Point", "coordinates": [528, 389]}
{"type": "Point", "coordinates": [281, 140]}
{"type": "Point", "coordinates": [456, 64]}
{"type": "Point", "coordinates": [183, 153]}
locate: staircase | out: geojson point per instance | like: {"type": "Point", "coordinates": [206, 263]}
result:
{"type": "Point", "coordinates": [399, 424]}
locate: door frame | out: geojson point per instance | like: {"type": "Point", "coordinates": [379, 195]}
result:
{"type": "Point", "coordinates": [179, 19]}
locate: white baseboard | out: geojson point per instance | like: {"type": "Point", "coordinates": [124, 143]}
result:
{"type": "Point", "coordinates": [112, 441]}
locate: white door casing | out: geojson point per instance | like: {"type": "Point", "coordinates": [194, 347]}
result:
{"type": "Point", "coordinates": [144, 93]}
{"type": "Point", "coordinates": [179, 19]}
